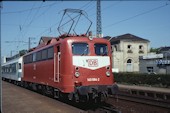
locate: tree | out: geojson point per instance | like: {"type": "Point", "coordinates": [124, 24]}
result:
{"type": "Point", "coordinates": [22, 52]}
{"type": "Point", "coordinates": [155, 50]}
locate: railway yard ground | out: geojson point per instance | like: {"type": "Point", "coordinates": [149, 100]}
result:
{"type": "Point", "coordinates": [16, 99]}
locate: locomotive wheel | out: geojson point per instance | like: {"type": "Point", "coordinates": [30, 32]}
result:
{"type": "Point", "coordinates": [63, 97]}
{"type": "Point", "coordinates": [17, 83]}
{"type": "Point", "coordinates": [84, 98]}
{"type": "Point", "coordinates": [43, 90]}
{"type": "Point", "coordinates": [22, 84]}
{"type": "Point", "coordinates": [25, 85]}
{"type": "Point", "coordinates": [39, 89]}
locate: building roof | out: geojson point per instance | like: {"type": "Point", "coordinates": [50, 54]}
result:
{"type": "Point", "coordinates": [162, 49]}
{"type": "Point", "coordinates": [127, 37]}
{"type": "Point", "coordinates": [44, 40]}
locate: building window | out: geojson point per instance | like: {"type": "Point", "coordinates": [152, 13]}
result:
{"type": "Point", "coordinates": [129, 47]}
{"type": "Point", "coordinates": [115, 48]}
{"type": "Point", "coordinates": [141, 49]}
{"type": "Point", "coordinates": [129, 66]}
{"type": "Point", "coordinates": [150, 69]}
{"type": "Point", "coordinates": [129, 61]}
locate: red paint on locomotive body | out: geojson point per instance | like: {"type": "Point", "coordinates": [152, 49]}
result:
{"type": "Point", "coordinates": [70, 62]}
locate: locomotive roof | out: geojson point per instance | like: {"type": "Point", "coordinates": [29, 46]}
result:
{"type": "Point", "coordinates": [48, 41]}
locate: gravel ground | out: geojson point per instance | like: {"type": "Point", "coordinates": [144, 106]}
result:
{"type": "Point", "coordinates": [133, 107]}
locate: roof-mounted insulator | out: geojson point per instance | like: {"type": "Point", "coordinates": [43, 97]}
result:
{"type": "Point", "coordinates": [90, 35]}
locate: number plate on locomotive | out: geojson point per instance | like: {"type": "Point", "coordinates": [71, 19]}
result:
{"type": "Point", "coordinates": [93, 79]}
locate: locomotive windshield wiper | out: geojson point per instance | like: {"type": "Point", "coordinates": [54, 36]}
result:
{"type": "Point", "coordinates": [84, 52]}
{"type": "Point", "coordinates": [104, 53]}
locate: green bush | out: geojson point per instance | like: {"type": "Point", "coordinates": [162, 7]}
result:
{"type": "Point", "coordinates": [158, 80]}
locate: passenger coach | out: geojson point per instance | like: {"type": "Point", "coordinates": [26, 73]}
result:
{"type": "Point", "coordinates": [12, 70]}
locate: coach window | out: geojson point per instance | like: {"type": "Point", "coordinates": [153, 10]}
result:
{"type": "Point", "coordinates": [50, 52]}
{"type": "Point", "coordinates": [80, 48]}
{"type": "Point", "coordinates": [13, 68]}
{"type": "Point", "coordinates": [6, 69]}
{"type": "Point", "coordinates": [44, 54]}
{"type": "Point", "coordinates": [10, 68]}
{"type": "Point", "coordinates": [101, 49]}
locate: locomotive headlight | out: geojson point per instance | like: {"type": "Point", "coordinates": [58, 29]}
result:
{"type": "Point", "coordinates": [108, 73]}
{"type": "Point", "coordinates": [77, 74]}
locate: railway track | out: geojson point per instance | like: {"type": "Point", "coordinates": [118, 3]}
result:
{"type": "Point", "coordinates": [154, 98]}
{"type": "Point", "coordinates": [103, 108]}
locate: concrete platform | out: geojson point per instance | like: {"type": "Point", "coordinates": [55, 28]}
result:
{"type": "Point", "coordinates": [16, 99]}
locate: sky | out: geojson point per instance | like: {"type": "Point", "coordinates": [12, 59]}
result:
{"type": "Point", "coordinates": [20, 20]}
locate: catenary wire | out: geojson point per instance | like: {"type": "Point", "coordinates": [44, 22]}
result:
{"type": "Point", "coordinates": [137, 15]}
{"type": "Point", "coordinates": [22, 11]}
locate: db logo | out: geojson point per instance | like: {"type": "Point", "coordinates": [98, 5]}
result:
{"type": "Point", "coordinates": [92, 62]}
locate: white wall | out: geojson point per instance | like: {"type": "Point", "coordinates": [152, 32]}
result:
{"type": "Point", "coordinates": [121, 56]}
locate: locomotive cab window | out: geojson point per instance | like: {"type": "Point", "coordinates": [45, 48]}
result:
{"type": "Point", "coordinates": [80, 48]}
{"type": "Point", "coordinates": [101, 49]}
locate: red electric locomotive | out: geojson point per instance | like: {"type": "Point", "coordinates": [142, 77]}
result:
{"type": "Point", "coordinates": [78, 67]}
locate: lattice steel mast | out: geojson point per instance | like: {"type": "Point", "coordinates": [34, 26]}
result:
{"type": "Point", "coordinates": [99, 21]}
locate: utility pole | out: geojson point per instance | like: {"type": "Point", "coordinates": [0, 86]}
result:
{"type": "Point", "coordinates": [13, 51]}
{"type": "Point", "coordinates": [98, 21]}
{"type": "Point", "coordinates": [0, 65]}
{"type": "Point", "coordinates": [29, 42]}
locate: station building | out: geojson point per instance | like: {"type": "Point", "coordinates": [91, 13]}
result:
{"type": "Point", "coordinates": [158, 63]}
{"type": "Point", "coordinates": [126, 51]}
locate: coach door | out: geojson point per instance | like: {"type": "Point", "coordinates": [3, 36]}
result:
{"type": "Point", "coordinates": [57, 65]}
